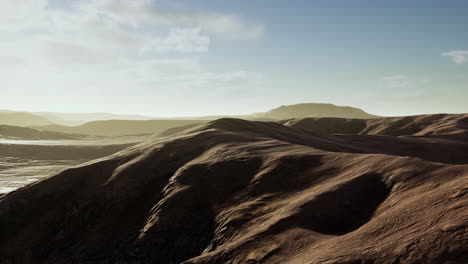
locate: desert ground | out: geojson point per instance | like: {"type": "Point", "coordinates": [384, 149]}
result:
{"type": "Point", "coordinates": [297, 190]}
{"type": "Point", "coordinates": [26, 161]}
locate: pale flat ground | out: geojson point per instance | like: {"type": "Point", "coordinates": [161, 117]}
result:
{"type": "Point", "coordinates": [25, 161]}
{"type": "Point", "coordinates": [17, 172]}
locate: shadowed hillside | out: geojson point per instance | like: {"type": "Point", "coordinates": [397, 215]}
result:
{"type": "Point", "coordinates": [237, 191]}
{"type": "Point", "coordinates": [422, 125]}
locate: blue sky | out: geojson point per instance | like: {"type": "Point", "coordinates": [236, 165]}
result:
{"type": "Point", "coordinates": [182, 58]}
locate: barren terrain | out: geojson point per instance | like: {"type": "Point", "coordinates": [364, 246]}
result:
{"type": "Point", "coordinates": [237, 191]}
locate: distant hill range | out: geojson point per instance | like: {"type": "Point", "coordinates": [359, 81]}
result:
{"type": "Point", "coordinates": [119, 127]}
{"type": "Point", "coordinates": [22, 119]}
{"type": "Point", "coordinates": [299, 111]}
{"type": "Point", "coordinates": [75, 119]}
{"type": "Point", "coordinates": [104, 124]}
{"type": "Point", "coordinates": [26, 133]}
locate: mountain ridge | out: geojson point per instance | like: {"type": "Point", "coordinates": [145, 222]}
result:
{"type": "Point", "coordinates": [306, 110]}
{"type": "Point", "coordinates": [158, 125]}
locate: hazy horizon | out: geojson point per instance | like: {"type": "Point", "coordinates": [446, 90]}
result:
{"type": "Point", "coordinates": [199, 58]}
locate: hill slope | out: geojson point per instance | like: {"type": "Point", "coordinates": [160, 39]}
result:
{"type": "Point", "coordinates": [75, 119]}
{"type": "Point", "coordinates": [236, 191]}
{"type": "Point", "coordinates": [119, 127]}
{"type": "Point", "coordinates": [422, 125]}
{"type": "Point", "coordinates": [15, 132]}
{"type": "Point", "coordinates": [22, 119]}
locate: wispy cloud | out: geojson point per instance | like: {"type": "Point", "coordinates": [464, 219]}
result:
{"type": "Point", "coordinates": [115, 45]}
{"type": "Point", "coordinates": [457, 56]}
{"type": "Point", "coordinates": [403, 82]}
{"type": "Point", "coordinates": [397, 81]}
{"type": "Point", "coordinates": [182, 40]}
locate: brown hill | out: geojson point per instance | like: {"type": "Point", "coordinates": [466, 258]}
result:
{"type": "Point", "coordinates": [236, 191]}
{"type": "Point", "coordinates": [422, 125]}
{"type": "Point", "coordinates": [22, 119]}
{"type": "Point", "coordinates": [174, 130]}
{"type": "Point", "coordinates": [15, 132]}
{"type": "Point", "coordinates": [75, 119]}
{"type": "Point", "coordinates": [119, 127]}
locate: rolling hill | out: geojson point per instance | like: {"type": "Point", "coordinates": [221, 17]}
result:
{"type": "Point", "coordinates": [15, 132]}
{"type": "Point", "coordinates": [134, 127]}
{"type": "Point", "coordinates": [22, 119]}
{"type": "Point", "coordinates": [119, 127]}
{"type": "Point", "coordinates": [75, 119]}
{"type": "Point", "coordinates": [238, 191]}
{"type": "Point", "coordinates": [421, 125]}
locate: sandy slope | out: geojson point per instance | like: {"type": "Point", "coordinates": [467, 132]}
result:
{"type": "Point", "coordinates": [236, 191]}
{"type": "Point", "coordinates": [25, 161]}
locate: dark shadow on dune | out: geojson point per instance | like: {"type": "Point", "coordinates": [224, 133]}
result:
{"type": "Point", "coordinates": [346, 208]}
{"type": "Point", "coordinates": [180, 234]}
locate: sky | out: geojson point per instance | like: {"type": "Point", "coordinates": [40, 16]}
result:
{"type": "Point", "coordinates": [213, 57]}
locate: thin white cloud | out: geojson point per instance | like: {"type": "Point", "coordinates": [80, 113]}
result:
{"type": "Point", "coordinates": [67, 53]}
{"type": "Point", "coordinates": [457, 56]}
{"type": "Point", "coordinates": [403, 82]}
{"type": "Point", "coordinates": [124, 28]}
{"type": "Point", "coordinates": [21, 15]}
{"type": "Point", "coordinates": [106, 46]}
{"type": "Point", "coordinates": [10, 61]}
{"type": "Point", "coordinates": [397, 81]}
{"type": "Point", "coordinates": [143, 13]}
{"type": "Point", "coordinates": [182, 40]}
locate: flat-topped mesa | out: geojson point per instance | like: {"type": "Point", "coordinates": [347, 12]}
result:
{"type": "Point", "coordinates": [314, 110]}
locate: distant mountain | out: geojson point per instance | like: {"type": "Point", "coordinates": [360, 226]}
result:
{"type": "Point", "coordinates": [119, 127]}
{"type": "Point", "coordinates": [280, 113]}
{"type": "Point", "coordinates": [134, 127]}
{"type": "Point", "coordinates": [17, 132]}
{"type": "Point", "coordinates": [105, 124]}
{"type": "Point", "coordinates": [312, 110]}
{"type": "Point", "coordinates": [75, 119]}
{"type": "Point", "coordinates": [22, 119]}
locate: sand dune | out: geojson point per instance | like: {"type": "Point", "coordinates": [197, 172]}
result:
{"type": "Point", "coordinates": [237, 191]}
